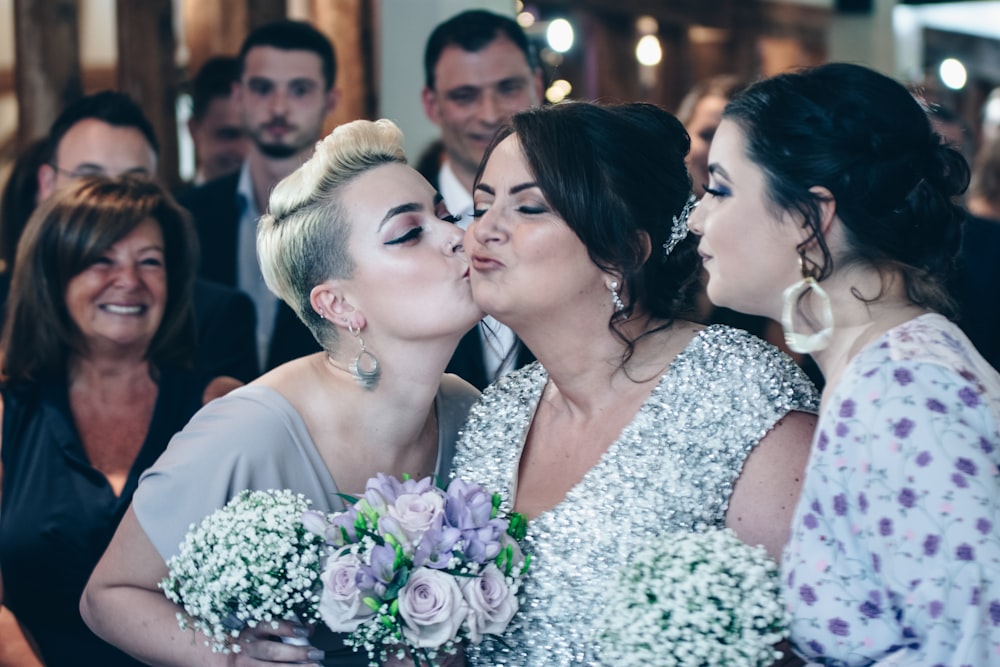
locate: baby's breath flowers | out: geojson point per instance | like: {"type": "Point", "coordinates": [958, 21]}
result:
{"type": "Point", "coordinates": [249, 562]}
{"type": "Point", "coordinates": [696, 599]}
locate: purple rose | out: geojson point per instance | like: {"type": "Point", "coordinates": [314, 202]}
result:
{"type": "Point", "coordinates": [935, 608]}
{"type": "Point", "coordinates": [885, 527]}
{"type": "Point", "coordinates": [847, 409]}
{"type": "Point", "coordinates": [902, 428]}
{"type": "Point", "coordinates": [959, 480]}
{"type": "Point", "coordinates": [807, 594]}
{"type": "Point", "coordinates": [418, 513]}
{"type": "Point", "coordinates": [964, 552]}
{"type": "Point", "coordinates": [842, 429]}
{"type": "Point", "coordinates": [986, 446]}
{"type": "Point", "coordinates": [341, 604]}
{"type": "Point", "coordinates": [907, 497]}
{"type": "Point", "coordinates": [902, 376]}
{"type": "Point", "coordinates": [876, 562]}
{"type": "Point", "coordinates": [984, 525]}
{"type": "Point", "coordinates": [491, 603]}
{"type": "Point", "coordinates": [863, 503]}
{"type": "Point", "coordinates": [432, 608]}
{"type": "Point", "coordinates": [840, 504]}
{"type": "Point", "coordinates": [923, 458]}
{"type": "Point", "coordinates": [816, 647]}
{"type": "Point", "coordinates": [974, 601]}
{"type": "Point", "coordinates": [810, 521]}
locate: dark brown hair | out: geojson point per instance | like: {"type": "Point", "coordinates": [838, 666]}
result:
{"type": "Point", "coordinates": [64, 236]}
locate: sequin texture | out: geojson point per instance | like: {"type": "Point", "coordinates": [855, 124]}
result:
{"type": "Point", "coordinates": [671, 469]}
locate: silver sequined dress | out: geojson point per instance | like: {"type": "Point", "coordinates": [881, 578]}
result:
{"type": "Point", "coordinates": [671, 469]}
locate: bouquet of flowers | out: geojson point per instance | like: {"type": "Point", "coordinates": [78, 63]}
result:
{"type": "Point", "coordinates": [697, 599]}
{"type": "Point", "coordinates": [249, 562]}
{"type": "Point", "coordinates": [418, 569]}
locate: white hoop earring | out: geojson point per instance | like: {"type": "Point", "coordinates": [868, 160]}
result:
{"type": "Point", "coordinates": [365, 367]}
{"type": "Point", "coordinates": [793, 295]}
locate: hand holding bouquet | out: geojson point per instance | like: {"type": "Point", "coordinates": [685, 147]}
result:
{"type": "Point", "coordinates": [250, 562]}
{"type": "Point", "coordinates": [417, 569]}
{"type": "Point", "coordinates": [696, 599]}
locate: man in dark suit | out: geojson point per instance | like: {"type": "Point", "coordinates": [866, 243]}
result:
{"type": "Point", "coordinates": [285, 91]}
{"type": "Point", "coordinates": [107, 133]}
{"type": "Point", "coordinates": [479, 70]}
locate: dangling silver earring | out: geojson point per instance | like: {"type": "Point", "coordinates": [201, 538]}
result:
{"type": "Point", "coordinates": [615, 298]}
{"type": "Point", "coordinates": [365, 366]}
{"type": "Point", "coordinates": [792, 297]}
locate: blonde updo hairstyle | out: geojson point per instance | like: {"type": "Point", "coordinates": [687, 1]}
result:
{"type": "Point", "coordinates": [302, 240]}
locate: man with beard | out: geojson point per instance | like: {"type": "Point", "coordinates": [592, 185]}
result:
{"type": "Point", "coordinates": [286, 89]}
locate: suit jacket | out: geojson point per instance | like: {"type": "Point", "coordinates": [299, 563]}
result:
{"type": "Point", "coordinates": [976, 287]}
{"type": "Point", "coordinates": [469, 363]}
{"type": "Point", "coordinates": [216, 214]}
{"type": "Point", "coordinates": [227, 331]}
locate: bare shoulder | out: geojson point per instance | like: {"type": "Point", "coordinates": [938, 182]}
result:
{"type": "Point", "coordinates": [220, 386]}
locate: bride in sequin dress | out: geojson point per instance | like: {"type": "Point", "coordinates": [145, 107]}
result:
{"type": "Point", "coordinates": [634, 423]}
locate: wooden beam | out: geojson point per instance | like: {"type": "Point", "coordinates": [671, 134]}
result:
{"type": "Point", "coordinates": [213, 28]}
{"type": "Point", "coordinates": [260, 12]}
{"type": "Point", "coordinates": [347, 23]}
{"type": "Point", "coordinates": [147, 71]}
{"type": "Point", "coordinates": [47, 68]}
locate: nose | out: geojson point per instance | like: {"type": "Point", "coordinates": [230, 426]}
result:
{"type": "Point", "coordinates": [279, 103]}
{"type": "Point", "coordinates": [485, 230]}
{"type": "Point", "coordinates": [695, 221]}
{"type": "Point", "coordinates": [491, 111]}
{"type": "Point", "coordinates": [454, 241]}
{"type": "Point", "coordinates": [126, 275]}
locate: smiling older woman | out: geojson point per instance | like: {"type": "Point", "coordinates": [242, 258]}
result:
{"type": "Point", "coordinates": [98, 335]}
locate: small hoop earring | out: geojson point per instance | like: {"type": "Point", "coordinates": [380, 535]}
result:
{"type": "Point", "coordinates": [615, 298]}
{"type": "Point", "coordinates": [365, 367]}
{"type": "Point", "coordinates": [791, 298]}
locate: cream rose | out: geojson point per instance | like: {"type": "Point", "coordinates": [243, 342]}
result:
{"type": "Point", "coordinates": [432, 608]}
{"type": "Point", "coordinates": [491, 602]}
{"type": "Point", "coordinates": [340, 604]}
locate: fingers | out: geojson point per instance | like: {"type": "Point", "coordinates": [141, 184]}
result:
{"type": "Point", "coordinates": [276, 643]}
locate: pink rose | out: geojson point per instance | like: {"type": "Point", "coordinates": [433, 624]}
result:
{"type": "Point", "coordinates": [432, 608]}
{"type": "Point", "coordinates": [492, 603]}
{"type": "Point", "coordinates": [340, 604]}
{"type": "Point", "coordinates": [418, 513]}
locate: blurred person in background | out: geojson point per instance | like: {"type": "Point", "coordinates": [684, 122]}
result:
{"type": "Point", "coordinates": [220, 144]}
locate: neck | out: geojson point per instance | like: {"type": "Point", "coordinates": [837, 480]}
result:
{"type": "Point", "coordinates": [858, 324]}
{"type": "Point", "coordinates": [122, 372]}
{"type": "Point", "coordinates": [266, 172]}
{"type": "Point", "coordinates": [584, 359]}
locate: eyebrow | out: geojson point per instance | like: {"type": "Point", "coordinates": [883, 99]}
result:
{"type": "Point", "coordinates": [514, 190]}
{"type": "Point", "coordinates": [406, 208]}
{"type": "Point", "coordinates": [716, 168]}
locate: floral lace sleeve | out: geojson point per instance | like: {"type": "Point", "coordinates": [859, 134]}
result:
{"type": "Point", "coordinates": [894, 553]}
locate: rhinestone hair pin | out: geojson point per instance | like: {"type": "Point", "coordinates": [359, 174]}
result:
{"type": "Point", "coordinates": [679, 229]}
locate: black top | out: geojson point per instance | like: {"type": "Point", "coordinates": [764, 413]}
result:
{"type": "Point", "coordinates": [58, 513]}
